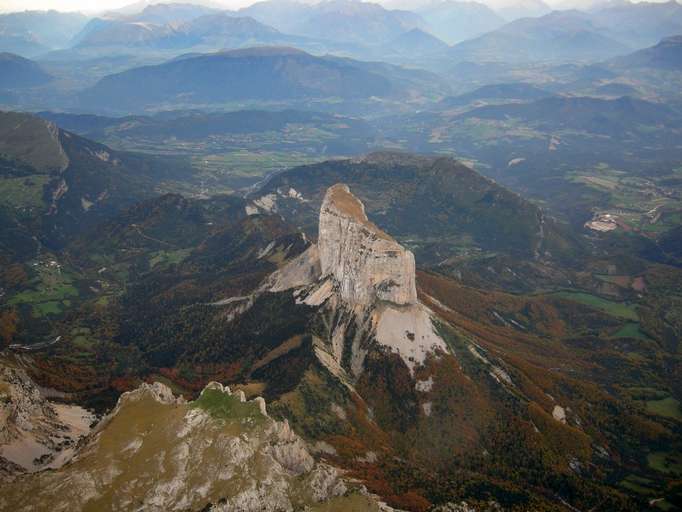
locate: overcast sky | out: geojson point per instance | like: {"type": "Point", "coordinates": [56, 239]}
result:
{"type": "Point", "coordinates": [100, 5]}
{"type": "Point", "coordinates": [92, 5]}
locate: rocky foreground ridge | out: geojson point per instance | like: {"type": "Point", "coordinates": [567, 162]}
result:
{"type": "Point", "coordinates": [157, 452]}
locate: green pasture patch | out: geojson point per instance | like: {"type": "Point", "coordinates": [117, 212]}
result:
{"type": "Point", "coordinates": [630, 330]}
{"type": "Point", "coordinates": [668, 407]}
{"type": "Point", "coordinates": [23, 192]}
{"type": "Point", "coordinates": [619, 309]}
{"type": "Point", "coordinates": [228, 407]}
{"type": "Point", "coordinates": [665, 462]}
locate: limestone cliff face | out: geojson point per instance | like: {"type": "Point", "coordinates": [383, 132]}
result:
{"type": "Point", "coordinates": [364, 281]}
{"type": "Point", "coordinates": [367, 263]}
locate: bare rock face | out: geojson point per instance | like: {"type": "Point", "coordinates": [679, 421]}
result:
{"type": "Point", "coordinates": [367, 263]}
{"type": "Point", "coordinates": [34, 432]}
{"type": "Point", "coordinates": [365, 280]}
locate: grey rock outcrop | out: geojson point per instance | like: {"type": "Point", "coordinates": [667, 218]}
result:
{"type": "Point", "coordinates": [366, 281]}
{"type": "Point", "coordinates": [367, 263]}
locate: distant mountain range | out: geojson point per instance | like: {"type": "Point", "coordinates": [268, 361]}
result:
{"type": "Point", "coordinates": [521, 9]}
{"type": "Point", "coordinates": [263, 73]}
{"type": "Point", "coordinates": [639, 24]}
{"type": "Point", "coordinates": [30, 33]}
{"type": "Point", "coordinates": [665, 55]}
{"type": "Point", "coordinates": [560, 35]}
{"type": "Point", "coordinates": [599, 116]}
{"type": "Point", "coordinates": [359, 29]}
{"type": "Point", "coordinates": [363, 23]}
{"type": "Point", "coordinates": [164, 13]}
{"type": "Point", "coordinates": [216, 30]}
{"type": "Point", "coordinates": [454, 21]}
{"type": "Point", "coordinates": [358, 22]}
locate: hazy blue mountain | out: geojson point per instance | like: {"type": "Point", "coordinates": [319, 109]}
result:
{"type": "Point", "coordinates": [161, 14]}
{"type": "Point", "coordinates": [217, 30]}
{"type": "Point", "coordinates": [225, 31]}
{"type": "Point", "coordinates": [101, 32]}
{"type": "Point", "coordinates": [357, 22]}
{"type": "Point", "coordinates": [284, 15]}
{"type": "Point", "coordinates": [665, 55]}
{"type": "Point", "coordinates": [522, 9]}
{"type": "Point", "coordinates": [416, 43]}
{"type": "Point", "coordinates": [454, 21]}
{"type": "Point", "coordinates": [640, 24]}
{"type": "Point", "coordinates": [601, 116]}
{"type": "Point", "coordinates": [264, 73]}
{"type": "Point", "coordinates": [29, 33]}
{"type": "Point", "coordinates": [560, 35]}
{"type": "Point", "coordinates": [16, 71]}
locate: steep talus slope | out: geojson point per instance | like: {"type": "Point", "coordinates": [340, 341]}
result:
{"type": "Point", "coordinates": [35, 433]}
{"type": "Point", "coordinates": [159, 452]}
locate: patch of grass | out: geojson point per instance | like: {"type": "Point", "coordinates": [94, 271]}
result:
{"type": "Point", "coordinates": [228, 407]}
{"type": "Point", "coordinates": [166, 258]}
{"type": "Point", "coordinates": [618, 309]}
{"type": "Point", "coordinates": [82, 342]}
{"type": "Point", "coordinates": [637, 484]}
{"type": "Point", "coordinates": [46, 308]}
{"type": "Point", "coordinates": [23, 192]}
{"type": "Point", "coordinates": [630, 330]}
{"type": "Point", "coordinates": [49, 292]}
{"type": "Point", "coordinates": [665, 462]}
{"type": "Point", "coordinates": [103, 300]}
{"type": "Point", "coordinates": [668, 407]}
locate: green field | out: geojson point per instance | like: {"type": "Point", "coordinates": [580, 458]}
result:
{"type": "Point", "coordinates": [665, 462]}
{"type": "Point", "coordinates": [228, 407]}
{"type": "Point", "coordinates": [166, 258]}
{"type": "Point", "coordinates": [49, 292]}
{"type": "Point", "coordinates": [618, 309]}
{"type": "Point", "coordinates": [247, 163]}
{"type": "Point", "coordinates": [630, 330]}
{"type": "Point", "coordinates": [638, 484]}
{"type": "Point", "coordinates": [24, 192]}
{"type": "Point", "coordinates": [668, 407]}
